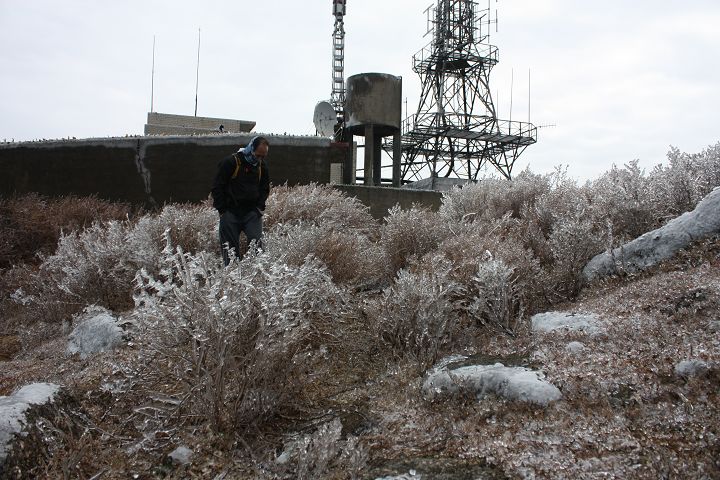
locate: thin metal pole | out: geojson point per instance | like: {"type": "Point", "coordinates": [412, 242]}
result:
{"type": "Point", "coordinates": [152, 80]}
{"type": "Point", "coordinates": [197, 73]}
{"type": "Point", "coordinates": [512, 78]}
{"type": "Point", "coordinates": [528, 95]}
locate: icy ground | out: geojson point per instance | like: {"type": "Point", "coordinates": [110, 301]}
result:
{"type": "Point", "coordinates": [638, 400]}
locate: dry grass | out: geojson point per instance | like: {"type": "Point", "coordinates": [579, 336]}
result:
{"type": "Point", "coordinates": [31, 224]}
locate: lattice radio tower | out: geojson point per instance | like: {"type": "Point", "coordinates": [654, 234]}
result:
{"type": "Point", "coordinates": [337, 98]}
{"type": "Point", "coordinates": [455, 131]}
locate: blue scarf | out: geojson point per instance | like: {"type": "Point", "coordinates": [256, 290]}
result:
{"type": "Point", "coordinates": [249, 154]}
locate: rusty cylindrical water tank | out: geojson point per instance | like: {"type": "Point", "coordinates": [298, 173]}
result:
{"type": "Point", "coordinates": [373, 99]}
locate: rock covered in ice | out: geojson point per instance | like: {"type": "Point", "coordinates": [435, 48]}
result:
{"type": "Point", "coordinates": [573, 322]}
{"type": "Point", "coordinates": [182, 455]}
{"type": "Point", "coordinates": [97, 330]}
{"type": "Point", "coordinates": [411, 475]}
{"type": "Point", "coordinates": [13, 411]}
{"type": "Point", "coordinates": [512, 383]}
{"type": "Point", "coordinates": [653, 247]}
{"type": "Point", "coordinates": [689, 368]}
{"type": "Point", "coordinates": [575, 347]}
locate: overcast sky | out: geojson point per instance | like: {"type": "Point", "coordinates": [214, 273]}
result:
{"type": "Point", "coordinates": [618, 79]}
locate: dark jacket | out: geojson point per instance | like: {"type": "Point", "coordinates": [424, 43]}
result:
{"type": "Point", "coordinates": [248, 190]}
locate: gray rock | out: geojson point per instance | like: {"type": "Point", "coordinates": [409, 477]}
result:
{"type": "Point", "coordinates": [714, 326]}
{"type": "Point", "coordinates": [575, 347]}
{"type": "Point", "coordinates": [552, 321]}
{"type": "Point", "coordinates": [690, 368]}
{"type": "Point", "coordinates": [661, 244]}
{"type": "Point", "coordinates": [13, 411]}
{"type": "Point", "coordinates": [411, 475]}
{"type": "Point", "coordinates": [512, 383]}
{"type": "Point", "coordinates": [182, 455]}
{"type": "Point", "coordinates": [97, 330]}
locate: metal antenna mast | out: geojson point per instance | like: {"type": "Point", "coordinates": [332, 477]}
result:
{"type": "Point", "coordinates": [152, 80]}
{"type": "Point", "coordinates": [337, 98]}
{"type": "Point", "coordinates": [455, 131]}
{"type": "Point", "coordinates": [197, 73]}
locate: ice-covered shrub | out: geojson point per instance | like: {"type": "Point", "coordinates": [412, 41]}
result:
{"type": "Point", "coordinates": [411, 233]}
{"type": "Point", "coordinates": [621, 199]}
{"type": "Point", "coordinates": [315, 455]}
{"type": "Point", "coordinates": [502, 242]}
{"type": "Point", "coordinates": [521, 222]}
{"type": "Point", "coordinates": [495, 297]}
{"type": "Point", "coordinates": [33, 306]}
{"type": "Point", "coordinates": [191, 227]}
{"type": "Point", "coordinates": [194, 228]}
{"type": "Point", "coordinates": [237, 341]}
{"type": "Point", "coordinates": [573, 242]}
{"type": "Point", "coordinates": [687, 178]}
{"type": "Point", "coordinates": [94, 266]}
{"type": "Point", "coordinates": [633, 203]}
{"type": "Point", "coordinates": [561, 198]}
{"type": "Point", "coordinates": [318, 204]}
{"type": "Point", "coordinates": [493, 198]}
{"type": "Point", "coordinates": [350, 255]}
{"type": "Point", "coordinates": [98, 264]}
{"type": "Point", "coordinates": [418, 315]}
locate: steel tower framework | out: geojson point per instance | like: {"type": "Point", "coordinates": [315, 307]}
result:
{"type": "Point", "coordinates": [337, 98]}
{"type": "Point", "coordinates": [455, 131]}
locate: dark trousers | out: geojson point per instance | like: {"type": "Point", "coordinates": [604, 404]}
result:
{"type": "Point", "coordinates": [231, 224]}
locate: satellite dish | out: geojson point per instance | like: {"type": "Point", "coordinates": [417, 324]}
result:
{"type": "Point", "coordinates": [325, 119]}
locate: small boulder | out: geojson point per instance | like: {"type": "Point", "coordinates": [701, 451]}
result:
{"type": "Point", "coordinates": [97, 330]}
{"type": "Point", "coordinates": [575, 347]}
{"type": "Point", "coordinates": [13, 410]}
{"type": "Point", "coordinates": [511, 383]}
{"type": "Point", "coordinates": [572, 322]}
{"type": "Point", "coordinates": [690, 368]}
{"type": "Point", "coordinates": [182, 455]}
{"type": "Point", "coordinates": [411, 475]}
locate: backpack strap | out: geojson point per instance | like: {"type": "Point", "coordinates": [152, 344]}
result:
{"type": "Point", "coordinates": [237, 166]}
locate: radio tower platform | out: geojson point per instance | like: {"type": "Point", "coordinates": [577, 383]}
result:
{"type": "Point", "coordinates": [455, 131]}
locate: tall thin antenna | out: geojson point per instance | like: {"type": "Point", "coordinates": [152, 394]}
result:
{"type": "Point", "coordinates": [197, 73]}
{"type": "Point", "coordinates": [429, 26]}
{"type": "Point", "coordinates": [528, 95]}
{"type": "Point", "coordinates": [152, 79]}
{"type": "Point", "coordinates": [512, 78]}
{"type": "Point", "coordinates": [489, 15]}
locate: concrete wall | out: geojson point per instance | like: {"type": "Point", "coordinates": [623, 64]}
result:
{"type": "Point", "coordinates": [381, 199]}
{"type": "Point", "coordinates": [153, 170]}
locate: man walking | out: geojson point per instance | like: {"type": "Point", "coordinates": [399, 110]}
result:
{"type": "Point", "coordinates": [240, 189]}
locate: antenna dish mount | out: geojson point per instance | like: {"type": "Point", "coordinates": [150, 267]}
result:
{"type": "Point", "coordinates": [325, 119]}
